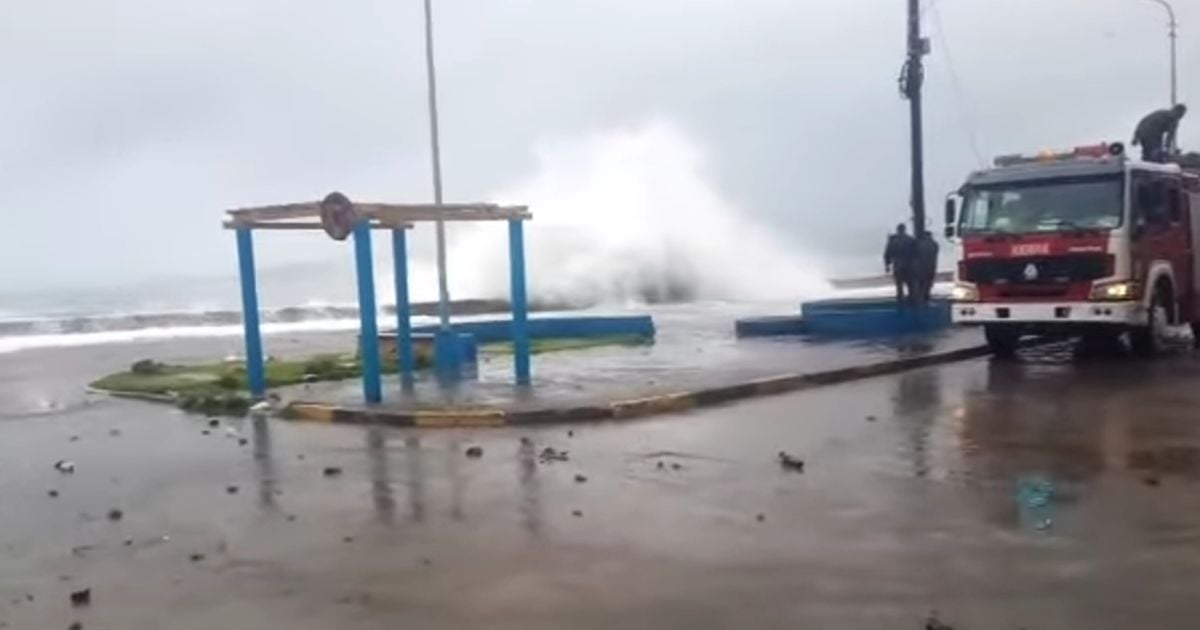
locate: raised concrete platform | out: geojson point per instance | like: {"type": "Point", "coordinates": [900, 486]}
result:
{"type": "Point", "coordinates": [850, 317]}
{"type": "Point", "coordinates": [559, 327]}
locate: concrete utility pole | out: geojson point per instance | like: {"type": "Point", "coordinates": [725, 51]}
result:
{"type": "Point", "coordinates": [436, 151]}
{"type": "Point", "coordinates": [911, 78]}
{"type": "Point", "coordinates": [1173, 35]}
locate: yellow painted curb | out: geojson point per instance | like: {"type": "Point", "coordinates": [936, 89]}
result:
{"type": "Point", "coordinates": [315, 413]}
{"type": "Point", "coordinates": [653, 405]}
{"type": "Point", "coordinates": [459, 418]}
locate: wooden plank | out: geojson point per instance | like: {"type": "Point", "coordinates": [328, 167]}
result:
{"type": "Point", "coordinates": [390, 213]}
{"type": "Point", "coordinates": [301, 225]}
{"type": "Point", "coordinates": [282, 211]}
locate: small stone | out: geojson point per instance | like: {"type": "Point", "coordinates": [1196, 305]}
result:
{"type": "Point", "coordinates": [526, 441]}
{"type": "Point", "coordinates": [243, 441]}
{"type": "Point", "coordinates": [1152, 481]}
{"type": "Point", "coordinates": [65, 466]}
{"type": "Point", "coordinates": [114, 432]}
{"type": "Point", "coordinates": [347, 539]}
{"type": "Point", "coordinates": [291, 518]}
{"type": "Point", "coordinates": [73, 438]}
{"type": "Point", "coordinates": [475, 452]}
{"type": "Point", "coordinates": [115, 514]}
{"type": "Point", "coordinates": [75, 626]}
{"type": "Point", "coordinates": [300, 456]}
{"type": "Point", "coordinates": [128, 542]}
{"type": "Point", "coordinates": [214, 423]}
{"type": "Point", "coordinates": [676, 466]}
{"type": "Point", "coordinates": [196, 557]}
{"type": "Point", "coordinates": [580, 479]}
{"type": "Point", "coordinates": [331, 471]}
{"type": "Point", "coordinates": [789, 462]}
{"type": "Point", "coordinates": [81, 597]}
{"type": "Point", "coordinates": [427, 562]}
{"type": "Point", "coordinates": [28, 597]}
{"type": "Point", "coordinates": [576, 513]}
{"type": "Point", "coordinates": [53, 494]}
{"type": "Point", "coordinates": [206, 432]}
{"type": "Point", "coordinates": [870, 418]}
{"type": "Point", "coordinates": [231, 489]}
{"type": "Point", "coordinates": [661, 466]}
{"type": "Point", "coordinates": [760, 518]}
{"type": "Point", "coordinates": [310, 378]}
{"type": "Point", "coordinates": [570, 433]}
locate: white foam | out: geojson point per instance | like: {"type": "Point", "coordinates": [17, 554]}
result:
{"type": "Point", "coordinates": [29, 342]}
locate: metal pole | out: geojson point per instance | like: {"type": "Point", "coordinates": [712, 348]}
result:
{"type": "Point", "coordinates": [368, 333]}
{"type": "Point", "coordinates": [914, 75]}
{"type": "Point", "coordinates": [520, 301]}
{"type": "Point", "coordinates": [436, 151]}
{"type": "Point", "coordinates": [1173, 35]}
{"type": "Point", "coordinates": [404, 347]}
{"type": "Point", "coordinates": [255, 371]}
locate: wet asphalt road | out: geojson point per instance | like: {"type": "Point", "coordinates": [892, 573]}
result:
{"type": "Point", "coordinates": [913, 499]}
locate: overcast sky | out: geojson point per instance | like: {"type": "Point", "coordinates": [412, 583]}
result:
{"type": "Point", "coordinates": [126, 126]}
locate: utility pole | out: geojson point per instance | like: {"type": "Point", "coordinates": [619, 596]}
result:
{"type": "Point", "coordinates": [1173, 35]}
{"type": "Point", "coordinates": [436, 151]}
{"type": "Point", "coordinates": [911, 78]}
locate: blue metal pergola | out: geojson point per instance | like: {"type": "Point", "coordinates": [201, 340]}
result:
{"type": "Point", "coordinates": [396, 218]}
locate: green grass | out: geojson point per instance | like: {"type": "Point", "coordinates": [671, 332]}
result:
{"type": "Point", "coordinates": [215, 388]}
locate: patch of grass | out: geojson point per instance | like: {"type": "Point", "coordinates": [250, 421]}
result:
{"type": "Point", "coordinates": [540, 346]}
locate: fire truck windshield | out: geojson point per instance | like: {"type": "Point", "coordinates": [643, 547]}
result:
{"type": "Point", "coordinates": [1022, 207]}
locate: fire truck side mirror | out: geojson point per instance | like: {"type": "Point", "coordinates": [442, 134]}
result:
{"type": "Point", "coordinates": [951, 216]}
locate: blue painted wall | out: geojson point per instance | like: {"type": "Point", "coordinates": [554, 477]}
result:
{"type": "Point", "coordinates": [491, 331]}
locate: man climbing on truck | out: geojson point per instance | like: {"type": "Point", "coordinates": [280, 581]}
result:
{"type": "Point", "coordinates": [1156, 133]}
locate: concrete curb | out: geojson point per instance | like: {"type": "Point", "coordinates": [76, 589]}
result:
{"type": "Point", "coordinates": [624, 409]}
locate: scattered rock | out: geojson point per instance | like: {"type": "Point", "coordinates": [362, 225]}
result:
{"type": "Point", "coordinates": [65, 466]}
{"type": "Point", "coordinates": [576, 513]}
{"type": "Point", "coordinates": [196, 557]}
{"type": "Point", "coordinates": [115, 514]}
{"type": "Point", "coordinates": [570, 433]}
{"type": "Point", "coordinates": [291, 518]}
{"type": "Point", "coordinates": [300, 456]}
{"type": "Point", "coordinates": [214, 423]}
{"type": "Point", "coordinates": [676, 466]}
{"type": "Point", "coordinates": [475, 452]}
{"type": "Point", "coordinates": [53, 494]}
{"type": "Point", "coordinates": [580, 479]}
{"type": "Point", "coordinates": [75, 626]}
{"type": "Point", "coordinates": [205, 432]}
{"type": "Point", "coordinates": [1152, 481]}
{"type": "Point", "coordinates": [347, 539]}
{"type": "Point", "coordinates": [549, 454]}
{"type": "Point", "coordinates": [73, 438]}
{"type": "Point", "coordinates": [661, 466]}
{"type": "Point", "coordinates": [81, 597]}
{"type": "Point", "coordinates": [231, 489]}
{"type": "Point", "coordinates": [870, 418]}
{"type": "Point", "coordinates": [789, 462]}
{"type": "Point", "coordinates": [114, 432]}
{"type": "Point", "coordinates": [427, 562]}
{"type": "Point", "coordinates": [79, 550]}
{"type": "Point", "coordinates": [231, 432]}
{"type": "Point", "coordinates": [331, 471]}
{"type": "Point", "coordinates": [147, 366]}
{"type": "Point", "coordinates": [761, 517]}
{"type": "Point", "coordinates": [28, 597]}
{"type": "Point", "coordinates": [526, 441]}
{"type": "Point", "coordinates": [933, 623]}
{"type": "Point", "coordinates": [128, 542]}
{"type": "Point", "coordinates": [243, 441]}
{"type": "Point", "coordinates": [310, 378]}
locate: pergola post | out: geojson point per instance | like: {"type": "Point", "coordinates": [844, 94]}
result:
{"type": "Point", "coordinates": [255, 371]}
{"type": "Point", "coordinates": [404, 346]}
{"type": "Point", "coordinates": [368, 329]}
{"type": "Point", "coordinates": [520, 306]}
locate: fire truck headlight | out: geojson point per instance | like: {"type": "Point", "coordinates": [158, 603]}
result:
{"type": "Point", "coordinates": [1123, 290]}
{"type": "Point", "coordinates": [964, 293]}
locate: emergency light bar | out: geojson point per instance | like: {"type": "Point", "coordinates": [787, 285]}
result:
{"type": "Point", "coordinates": [1092, 151]}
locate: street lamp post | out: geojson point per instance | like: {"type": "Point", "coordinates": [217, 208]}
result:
{"type": "Point", "coordinates": [436, 153]}
{"type": "Point", "coordinates": [1173, 34]}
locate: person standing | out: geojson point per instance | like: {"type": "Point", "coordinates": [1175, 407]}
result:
{"type": "Point", "coordinates": [898, 259]}
{"type": "Point", "coordinates": [1156, 133]}
{"type": "Point", "coordinates": [925, 268]}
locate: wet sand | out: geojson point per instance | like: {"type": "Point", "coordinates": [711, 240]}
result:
{"type": "Point", "coordinates": [914, 510]}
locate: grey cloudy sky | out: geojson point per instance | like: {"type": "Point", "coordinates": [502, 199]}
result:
{"type": "Point", "coordinates": [127, 125]}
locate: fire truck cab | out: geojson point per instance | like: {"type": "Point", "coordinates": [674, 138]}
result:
{"type": "Point", "coordinates": [1085, 242]}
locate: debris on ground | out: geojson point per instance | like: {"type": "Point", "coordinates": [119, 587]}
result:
{"type": "Point", "coordinates": [475, 452]}
{"type": "Point", "coordinates": [53, 494]}
{"type": "Point", "coordinates": [933, 623]}
{"type": "Point", "coordinates": [347, 539]}
{"type": "Point", "coordinates": [300, 456]}
{"type": "Point", "coordinates": [243, 441]}
{"type": "Point", "coordinates": [331, 471]}
{"type": "Point", "coordinates": [870, 418]}
{"type": "Point", "coordinates": [580, 479]}
{"type": "Point", "coordinates": [310, 378]}
{"type": "Point", "coordinates": [427, 562]}
{"type": "Point", "coordinates": [291, 518]}
{"type": "Point", "coordinates": [73, 438]}
{"type": "Point", "coordinates": [79, 550]}
{"type": "Point", "coordinates": [790, 462]}
{"type": "Point", "coordinates": [259, 408]}
{"type": "Point", "coordinates": [65, 466]}
{"type": "Point", "coordinates": [114, 432]}
{"type": "Point", "coordinates": [570, 433]}
{"type": "Point", "coordinates": [761, 517]}
{"type": "Point", "coordinates": [549, 454]}
{"type": "Point", "coordinates": [196, 557]}
{"type": "Point", "coordinates": [576, 513]}
{"type": "Point", "coordinates": [231, 489]}
{"type": "Point", "coordinates": [214, 423]}
{"type": "Point", "coordinates": [526, 441]}
{"type": "Point", "coordinates": [205, 432]}
{"type": "Point", "coordinates": [128, 542]}
{"type": "Point", "coordinates": [115, 514]}
{"type": "Point", "coordinates": [81, 597]}
{"type": "Point", "coordinates": [231, 432]}
{"type": "Point", "coordinates": [75, 626]}
{"type": "Point", "coordinates": [661, 466]}
{"type": "Point", "coordinates": [1152, 481]}
{"type": "Point", "coordinates": [676, 466]}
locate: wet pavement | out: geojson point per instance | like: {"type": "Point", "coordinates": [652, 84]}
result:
{"type": "Point", "coordinates": [1045, 493]}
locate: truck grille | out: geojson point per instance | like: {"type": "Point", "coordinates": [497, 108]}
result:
{"type": "Point", "coordinates": [1050, 269]}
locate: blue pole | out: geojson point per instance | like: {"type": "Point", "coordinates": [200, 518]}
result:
{"type": "Point", "coordinates": [404, 347]}
{"type": "Point", "coordinates": [368, 329]}
{"type": "Point", "coordinates": [520, 306]}
{"type": "Point", "coordinates": [255, 372]}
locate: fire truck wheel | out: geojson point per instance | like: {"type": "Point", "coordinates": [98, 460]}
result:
{"type": "Point", "coordinates": [1150, 340]}
{"type": "Point", "coordinates": [1003, 339]}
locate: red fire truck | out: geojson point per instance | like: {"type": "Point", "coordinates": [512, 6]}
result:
{"type": "Point", "coordinates": [1086, 242]}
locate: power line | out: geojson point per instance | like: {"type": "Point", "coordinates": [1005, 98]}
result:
{"type": "Point", "coordinates": [964, 111]}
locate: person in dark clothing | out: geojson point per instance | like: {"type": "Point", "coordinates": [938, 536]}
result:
{"type": "Point", "coordinates": [898, 258]}
{"type": "Point", "coordinates": [1156, 133]}
{"type": "Point", "coordinates": [925, 268]}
